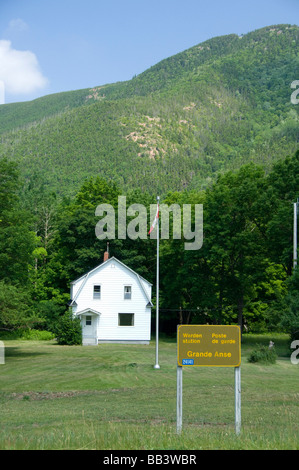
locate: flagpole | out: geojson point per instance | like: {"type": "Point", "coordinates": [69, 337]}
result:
{"type": "Point", "coordinates": [156, 366]}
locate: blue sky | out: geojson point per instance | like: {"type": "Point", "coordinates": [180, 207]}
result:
{"type": "Point", "coordinates": [52, 46]}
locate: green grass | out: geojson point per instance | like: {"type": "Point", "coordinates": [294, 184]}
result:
{"type": "Point", "coordinates": [110, 397]}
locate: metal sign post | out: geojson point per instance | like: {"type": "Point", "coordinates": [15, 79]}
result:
{"type": "Point", "coordinates": [238, 400]}
{"type": "Point", "coordinates": [212, 346]}
{"type": "Point", "coordinates": [179, 403]}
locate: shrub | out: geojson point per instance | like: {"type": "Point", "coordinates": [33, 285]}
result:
{"type": "Point", "coordinates": [263, 354]}
{"type": "Point", "coordinates": [28, 334]}
{"type": "Point", "coordinates": [68, 330]}
{"type": "Point", "coordinates": [41, 335]}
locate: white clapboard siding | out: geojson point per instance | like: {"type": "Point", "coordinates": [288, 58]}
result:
{"type": "Point", "coordinates": [113, 276]}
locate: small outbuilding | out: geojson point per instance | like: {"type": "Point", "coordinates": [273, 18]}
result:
{"type": "Point", "coordinates": [113, 303]}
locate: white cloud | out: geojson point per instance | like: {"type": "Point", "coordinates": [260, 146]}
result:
{"type": "Point", "coordinates": [18, 25]}
{"type": "Point", "coordinates": [19, 70]}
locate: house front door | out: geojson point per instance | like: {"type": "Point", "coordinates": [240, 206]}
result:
{"type": "Point", "coordinates": [89, 330]}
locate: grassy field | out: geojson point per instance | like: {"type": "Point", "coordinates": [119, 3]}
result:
{"type": "Point", "coordinates": [109, 397]}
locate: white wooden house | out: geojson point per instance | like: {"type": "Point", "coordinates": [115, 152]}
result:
{"type": "Point", "coordinates": [113, 303]}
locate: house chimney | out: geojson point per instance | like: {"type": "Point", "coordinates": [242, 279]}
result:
{"type": "Point", "coordinates": [106, 254]}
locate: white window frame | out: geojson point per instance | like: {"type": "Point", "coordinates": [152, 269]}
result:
{"type": "Point", "coordinates": [97, 295]}
{"type": "Point", "coordinates": [126, 326]}
{"type": "Point", "coordinates": [127, 293]}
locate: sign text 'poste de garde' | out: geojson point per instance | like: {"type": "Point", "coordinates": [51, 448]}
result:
{"type": "Point", "coordinates": [209, 345]}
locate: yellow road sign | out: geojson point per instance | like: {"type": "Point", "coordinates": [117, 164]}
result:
{"type": "Point", "coordinates": [209, 345]}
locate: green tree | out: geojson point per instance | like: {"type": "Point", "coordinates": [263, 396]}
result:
{"type": "Point", "coordinates": [234, 235]}
{"type": "Point", "coordinates": [15, 307]}
{"type": "Point", "coordinates": [77, 249]}
{"type": "Point", "coordinates": [185, 283]}
{"type": "Point", "coordinates": [289, 308]}
{"type": "Point", "coordinates": [17, 241]}
{"type": "Point", "coordinates": [283, 190]}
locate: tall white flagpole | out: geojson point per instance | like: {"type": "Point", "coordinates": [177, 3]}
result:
{"type": "Point", "coordinates": [156, 366]}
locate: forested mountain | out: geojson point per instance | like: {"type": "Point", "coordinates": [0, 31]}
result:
{"type": "Point", "coordinates": [212, 108]}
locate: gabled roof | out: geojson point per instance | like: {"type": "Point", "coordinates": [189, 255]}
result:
{"type": "Point", "coordinates": [87, 310]}
{"type": "Point", "coordinates": [85, 277]}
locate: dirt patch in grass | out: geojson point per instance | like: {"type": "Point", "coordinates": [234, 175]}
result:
{"type": "Point", "coordinates": [45, 395]}
{"type": "Point", "coordinates": [53, 395]}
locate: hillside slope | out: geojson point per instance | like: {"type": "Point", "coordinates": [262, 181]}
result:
{"type": "Point", "coordinates": [211, 108]}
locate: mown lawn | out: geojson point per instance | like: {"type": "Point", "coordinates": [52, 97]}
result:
{"type": "Point", "coordinates": [109, 397]}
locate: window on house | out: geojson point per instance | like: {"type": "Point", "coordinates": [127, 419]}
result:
{"type": "Point", "coordinates": [128, 292]}
{"type": "Point", "coordinates": [126, 319]}
{"type": "Point", "coordinates": [88, 320]}
{"type": "Point", "coordinates": [97, 292]}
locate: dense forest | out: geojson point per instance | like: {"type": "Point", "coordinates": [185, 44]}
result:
{"type": "Point", "coordinates": [213, 125]}
{"type": "Point", "coordinates": [242, 274]}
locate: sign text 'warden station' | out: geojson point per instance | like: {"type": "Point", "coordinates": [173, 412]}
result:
{"type": "Point", "coordinates": [209, 345]}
